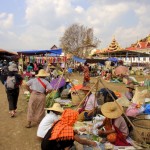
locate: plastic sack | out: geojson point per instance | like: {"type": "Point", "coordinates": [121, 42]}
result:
{"type": "Point", "coordinates": [132, 111]}
{"type": "Point", "coordinates": [147, 109]}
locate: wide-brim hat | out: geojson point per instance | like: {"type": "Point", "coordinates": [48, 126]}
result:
{"type": "Point", "coordinates": [13, 67]}
{"type": "Point", "coordinates": [42, 73]}
{"type": "Point", "coordinates": [85, 88]}
{"type": "Point", "coordinates": [56, 107]}
{"type": "Point", "coordinates": [131, 87]}
{"type": "Point", "coordinates": [111, 110]}
{"type": "Point", "coordinates": [67, 80]}
{"type": "Point", "coordinates": [52, 67]}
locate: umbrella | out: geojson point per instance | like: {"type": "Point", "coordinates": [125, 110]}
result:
{"type": "Point", "coordinates": [76, 87]}
{"type": "Point", "coordinates": [57, 83]}
{"type": "Point", "coordinates": [121, 70]}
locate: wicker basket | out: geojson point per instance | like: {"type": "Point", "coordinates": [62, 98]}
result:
{"type": "Point", "coordinates": [142, 126]}
{"type": "Point", "coordinates": [75, 98]}
{"type": "Point", "coordinates": [143, 116]}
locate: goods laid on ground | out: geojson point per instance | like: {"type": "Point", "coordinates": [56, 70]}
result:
{"type": "Point", "coordinates": [50, 98]}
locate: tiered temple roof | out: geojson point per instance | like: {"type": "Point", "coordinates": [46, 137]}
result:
{"type": "Point", "coordinates": [114, 46]}
{"type": "Point", "coordinates": [141, 44]}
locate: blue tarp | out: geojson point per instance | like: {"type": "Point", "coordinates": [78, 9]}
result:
{"type": "Point", "coordinates": [36, 52]}
{"type": "Point", "coordinates": [75, 58]}
{"type": "Point", "coordinates": [113, 59]}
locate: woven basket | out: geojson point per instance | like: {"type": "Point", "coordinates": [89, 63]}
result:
{"type": "Point", "coordinates": [142, 126]}
{"type": "Point", "coordinates": [75, 98]}
{"type": "Point", "coordinates": [143, 116]}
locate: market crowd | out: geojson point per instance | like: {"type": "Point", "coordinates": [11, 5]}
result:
{"type": "Point", "coordinates": [56, 124]}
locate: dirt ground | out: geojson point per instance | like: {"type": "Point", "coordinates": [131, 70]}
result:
{"type": "Point", "coordinates": [14, 135]}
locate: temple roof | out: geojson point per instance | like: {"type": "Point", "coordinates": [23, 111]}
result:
{"type": "Point", "coordinates": [113, 46]}
{"type": "Point", "coordinates": [141, 44]}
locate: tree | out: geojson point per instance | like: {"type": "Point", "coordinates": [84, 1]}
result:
{"type": "Point", "coordinates": [78, 40]}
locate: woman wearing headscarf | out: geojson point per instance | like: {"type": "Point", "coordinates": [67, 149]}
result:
{"type": "Point", "coordinates": [38, 87]}
{"type": "Point", "coordinates": [62, 135]}
{"type": "Point", "coordinates": [116, 130]}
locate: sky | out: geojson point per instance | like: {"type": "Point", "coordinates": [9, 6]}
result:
{"type": "Point", "coordinates": [39, 24]}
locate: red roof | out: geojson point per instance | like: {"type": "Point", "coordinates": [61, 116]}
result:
{"type": "Point", "coordinates": [139, 45]}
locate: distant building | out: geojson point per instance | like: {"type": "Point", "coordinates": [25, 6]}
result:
{"type": "Point", "coordinates": [142, 46]}
{"type": "Point", "coordinates": [54, 47]}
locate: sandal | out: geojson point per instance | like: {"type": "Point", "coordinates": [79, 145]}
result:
{"type": "Point", "coordinates": [28, 126]}
{"type": "Point", "coordinates": [12, 115]}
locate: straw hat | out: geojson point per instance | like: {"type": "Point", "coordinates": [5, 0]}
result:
{"type": "Point", "coordinates": [42, 73]}
{"type": "Point", "coordinates": [56, 107]}
{"type": "Point", "coordinates": [111, 110]}
{"type": "Point", "coordinates": [13, 67]}
{"type": "Point", "coordinates": [131, 87]}
{"type": "Point", "coordinates": [67, 80]}
{"type": "Point", "coordinates": [52, 67]}
{"type": "Point", "coordinates": [85, 88]}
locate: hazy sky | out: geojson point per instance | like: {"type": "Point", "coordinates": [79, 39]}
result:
{"type": "Point", "coordinates": [39, 24]}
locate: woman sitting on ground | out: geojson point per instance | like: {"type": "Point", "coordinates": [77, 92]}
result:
{"type": "Point", "coordinates": [129, 94]}
{"type": "Point", "coordinates": [52, 116]}
{"type": "Point", "coordinates": [89, 105]}
{"type": "Point", "coordinates": [62, 135]}
{"type": "Point", "coordinates": [115, 128]}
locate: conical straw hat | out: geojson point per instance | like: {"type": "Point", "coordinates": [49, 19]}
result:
{"type": "Point", "coordinates": [42, 73]}
{"type": "Point", "coordinates": [56, 107]}
{"type": "Point", "coordinates": [111, 110]}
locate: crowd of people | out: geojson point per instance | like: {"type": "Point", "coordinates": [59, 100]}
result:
{"type": "Point", "coordinates": [55, 125]}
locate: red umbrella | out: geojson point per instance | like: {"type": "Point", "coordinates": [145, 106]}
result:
{"type": "Point", "coordinates": [121, 70]}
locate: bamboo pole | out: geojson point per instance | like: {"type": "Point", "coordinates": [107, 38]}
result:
{"type": "Point", "coordinates": [86, 95]}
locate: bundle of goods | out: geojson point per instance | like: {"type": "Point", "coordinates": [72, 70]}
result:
{"type": "Point", "coordinates": [50, 98]}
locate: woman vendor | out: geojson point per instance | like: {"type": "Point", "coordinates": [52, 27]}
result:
{"type": "Point", "coordinates": [62, 135]}
{"type": "Point", "coordinates": [129, 94]}
{"type": "Point", "coordinates": [38, 87]}
{"type": "Point", "coordinates": [89, 105]}
{"type": "Point", "coordinates": [114, 126]}
{"type": "Point", "coordinates": [86, 72]}
{"type": "Point", "coordinates": [52, 115]}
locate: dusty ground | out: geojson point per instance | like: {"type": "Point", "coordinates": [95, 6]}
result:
{"type": "Point", "coordinates": [14, 135]}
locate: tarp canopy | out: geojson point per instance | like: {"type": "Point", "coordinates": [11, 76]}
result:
{"type": "Point", "coordinates": [38, 52]}
{"type": "Point", "coordinates": [113, 59]}
{"type": "Point", "coordinates": [101, 61]}
{"type": "Point", "coordinates": [78, 59]}
{"type": "Point", "coordinates": [7, 53]}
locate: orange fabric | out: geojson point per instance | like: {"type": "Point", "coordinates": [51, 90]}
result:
{"type": "Point", "coordinates": [107, 124]}
{"type": "Point", "coordinates": [63, 130]}
{"type": "Point", "coordinates": [112, 137]}
{"type": "Point", "coordinates": [77, 87]}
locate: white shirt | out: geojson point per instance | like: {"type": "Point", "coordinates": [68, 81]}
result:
{"type": "Point", "coordinates": [46, 124]}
